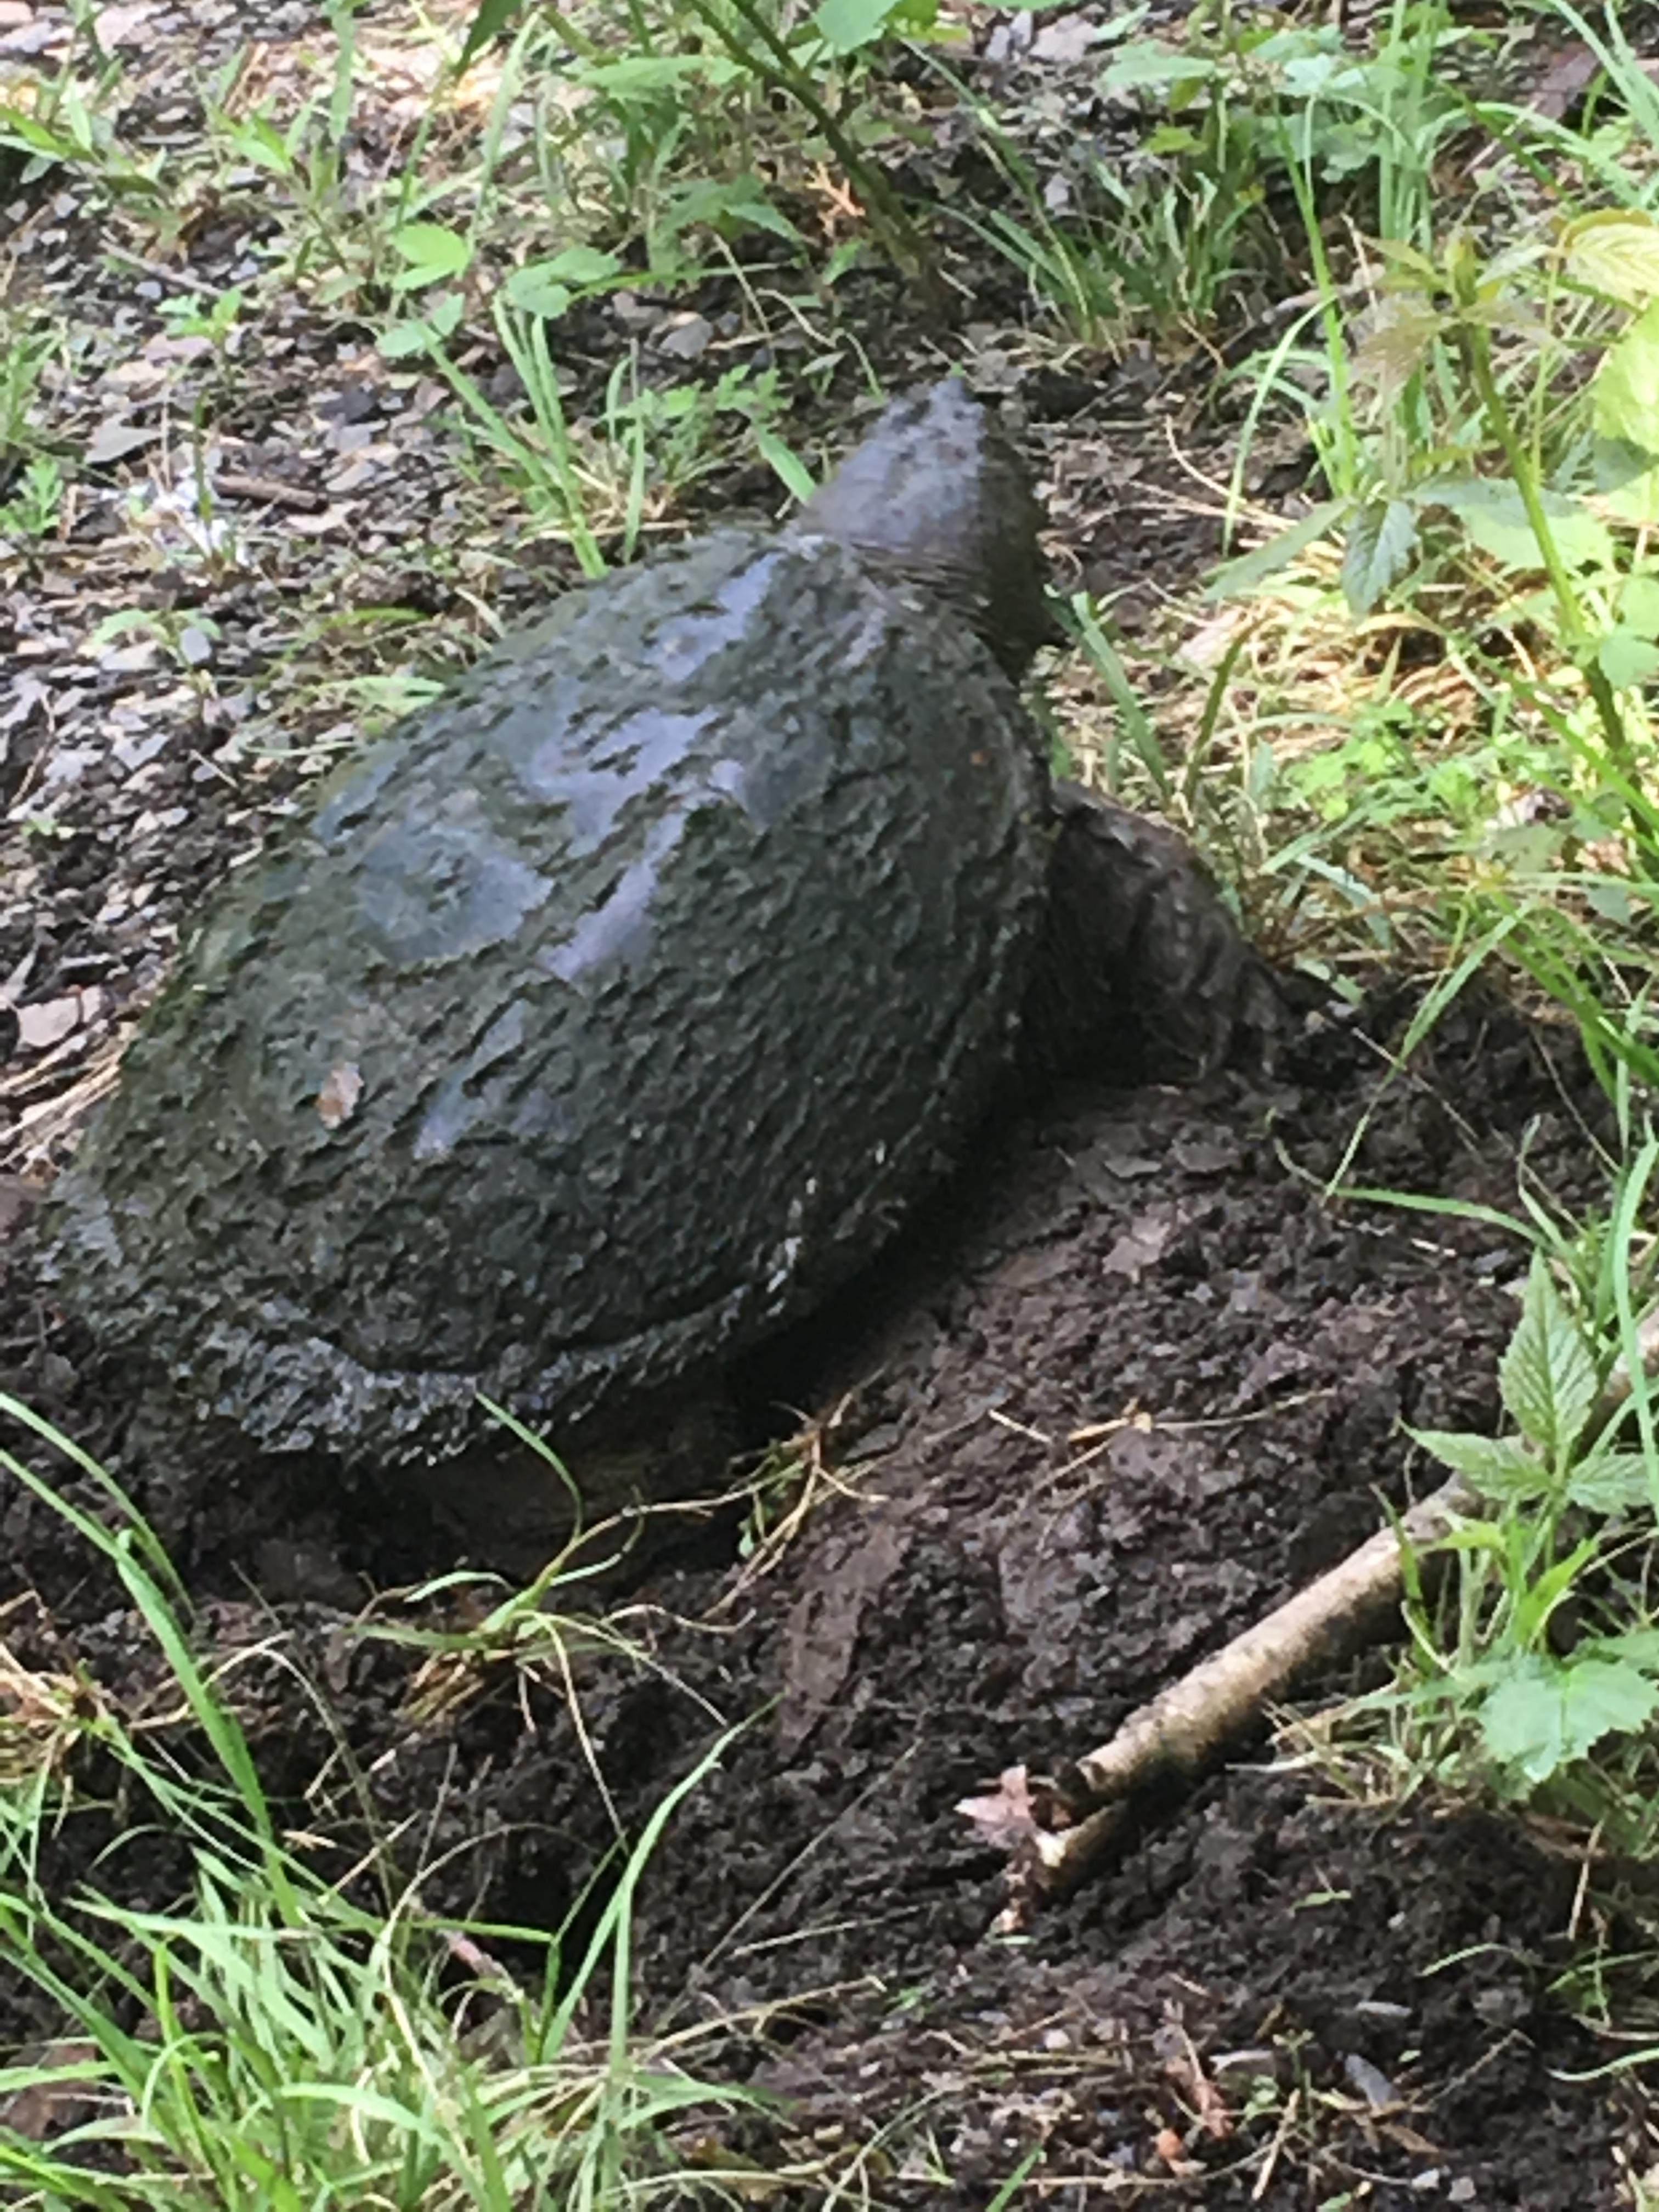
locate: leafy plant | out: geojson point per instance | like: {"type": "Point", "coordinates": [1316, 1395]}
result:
{"type": "Point", "coordinates": [1542, 1658]}
{"type": "Point", "coordinates": [24, 359]}
{"type": "Point", "coordinates": [722, 55]}
{"type": "Point", "coordinates": [1250, 121]}
{"type": "Point", "coordinates": [66, 122]}
{"type": "Point", "coordinates": [35, 507]}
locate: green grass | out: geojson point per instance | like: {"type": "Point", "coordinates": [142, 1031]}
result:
{"type": "Point", "coordinates": [268, 2038]}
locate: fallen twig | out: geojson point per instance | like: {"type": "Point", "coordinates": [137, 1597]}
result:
{"type": "Point", "coordinates": [1187, 1727]}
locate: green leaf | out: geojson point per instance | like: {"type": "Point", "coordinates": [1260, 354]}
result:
{"type": "Point", "coordinates": [1495, 516]}
{"type": "Point", "coordinates": [726, 208]}
{"type": "Point", "coordinates": [1150, 64]}
{"type": "Point", "coordinates": [1545, 1715]}
{"type": "Point", "coordinates": [795, 477]}
{"type": "Point", "coordinates": [1639, 1646]}
{"type": "Point", "coordinates": [1499, 1467]}
{"type": "Point", "coordinates": [1626, 660]}
{"type": "Point", "coordinates": [433, 253]}
{"type": "Point", "coordinates": [581, 265]}
{"type": "Point", "coordinates": [1611, 1482]}
{"type": "Point", "coordinates": [1381, 539]}
{"type": "Point", "coordinates": [1252, 569]}
{"type": "Point", "coordinates": [1628, 480]}
{"type": "Point", "coordinates": [845, 26]}
{"type": "Point", "coordinates": [1616, 253]}
{"type": "Point", "coordinates": [489, 19]}
{"type": "Point", "coordinates": [528, 291]}
{"type": "Point", "coordinates": [1608, 897]}
{"type": "Point", "coordinates": [1546, 1376]}
{"type": "Point", "coordinates": [424, 333]}
{"type": "Point", "coordinates": [653, 73]}
{"type": "Point", "coordinates": [1625, 395]}
{"type": "Point", "coordinates": [547, 287]}
{"type": "Point", "coordinates": [1639, 605]}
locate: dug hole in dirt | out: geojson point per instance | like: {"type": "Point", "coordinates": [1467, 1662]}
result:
{"type": "Point", "coordinates": [1130, 1382]}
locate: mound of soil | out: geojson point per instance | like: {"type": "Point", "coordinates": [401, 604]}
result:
{"type": "Point", "coordinates": [1134, 1378]}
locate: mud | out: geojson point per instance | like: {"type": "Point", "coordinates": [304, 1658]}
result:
{"type": "Point", "coordinates": [1133, 1378]}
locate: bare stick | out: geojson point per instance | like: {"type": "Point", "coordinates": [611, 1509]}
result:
{"type": "Point", "coordinates": [1187, 1726]}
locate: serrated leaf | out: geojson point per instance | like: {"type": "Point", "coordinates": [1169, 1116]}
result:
{"type": "Point", "coordinates": [1252, 569]}
{"type": "Point", "coordinates": [1392, 351]}
{"type": "Point", "coordinates": [432, 250]}
{"type": "Point", "coordinates": [1611, 1482]}
{"type": "Point", "coordinates": [547, 287]}
{"type": "Point", "coordinates": [1616, 254]}
{"type": "Point", "coordinates": [1624, 395]}
{"type": "Point", "coordinates": [1609, 898]}
{"type": "Point", "coordinates": [656, 72]}
{"type": "Point", "coordinates": [1546, 1376]}
{"type": "Point", "coordinates": [845, 26]}
{"type": "Point", "coordinates": [1381, 539]}
{"type": "Point", "coordinates": [1639, 1646]}
{"type": "Point", "coordinates": [739, 204]}
{"type": "Point", "coordinates": [1495, 516]}
{"type": "Point", "coordinates": [1547, 1716]}
{"type": "Point", "coordinates": [1499, 1467]}
{"type": "Point", "coordinates": [441, 321]}
{"type": "Point", "coordinates": [1625, 659]}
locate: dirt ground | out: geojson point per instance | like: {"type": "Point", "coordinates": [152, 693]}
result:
{"type": "Point", "coordinates": [1274, 1997]}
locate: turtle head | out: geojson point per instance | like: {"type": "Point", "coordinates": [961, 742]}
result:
{"type": "Point", "coordinates": [938, 494]}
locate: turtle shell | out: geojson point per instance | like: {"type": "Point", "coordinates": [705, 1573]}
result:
{"type": "Point", "coordinates": [586, 1028]}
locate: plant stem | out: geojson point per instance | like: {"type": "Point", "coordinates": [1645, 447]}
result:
{"type": "Point", "coordinates": [1474, 343]}
{"type": "Point", "coordinates": [888, 217]}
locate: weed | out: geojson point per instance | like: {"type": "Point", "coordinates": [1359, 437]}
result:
{"type": "Point", "coordinates": [65, 122]}
{"type": "Point", "coordinates": [684, 90]}
{"type": "Point", "coordinates": [1250, 118]}
{"type": "Point", "coordinates": [1533, 1675]}
{"type": "Point", "coordinates": [36, 505]}
{"type": "Point", "coordinates": [24, 359]}
{"type": "Point", "coordinates": [266, 2041]}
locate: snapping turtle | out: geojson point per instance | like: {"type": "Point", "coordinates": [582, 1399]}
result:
{"type": "Point", "coordinates": [607, 1015]}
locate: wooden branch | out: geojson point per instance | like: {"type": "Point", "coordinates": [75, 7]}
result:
{"type": "Point", "coordinates": [1185, 1729]}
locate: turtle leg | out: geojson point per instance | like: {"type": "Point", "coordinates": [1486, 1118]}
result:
{"type": "Point", "coordinates": [1142, 974]}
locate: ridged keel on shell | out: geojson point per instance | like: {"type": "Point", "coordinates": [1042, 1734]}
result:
{"type": "Point", "coordinates": [645, 981]}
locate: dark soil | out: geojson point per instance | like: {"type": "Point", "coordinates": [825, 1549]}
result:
{"type": "Point", "coordinates": [1271, 1998]}
{"type": "Point", "coordinates": [1359, 2001]}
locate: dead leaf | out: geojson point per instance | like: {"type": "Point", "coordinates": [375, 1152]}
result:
{"type": "Point", "coordinates": [18, 1199]}
{"type": "Point", "coordinates": [1568, 74]}
{"type": "Point", "coordinates": [121, 26]}
{"type": "Point", "coordinates": [1173, 2152]}
{"type": "Point", "coordinates": [685, 337]}
{"type": "Point", "coordinates": [113, 440]}
{"type": "Point", "coordinates": [1143, 1244]}
{"type": "Point", "coordinates": [41, 1026]}
{"type": "Point", "coordinates": [1069, 40]}
{"type": "Point", "coordinates": [336, 1101]}
{"type": "Point", "coordinates": [1013, 1813]}
{"type": "Point", "coordinates": [70, 2081]}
